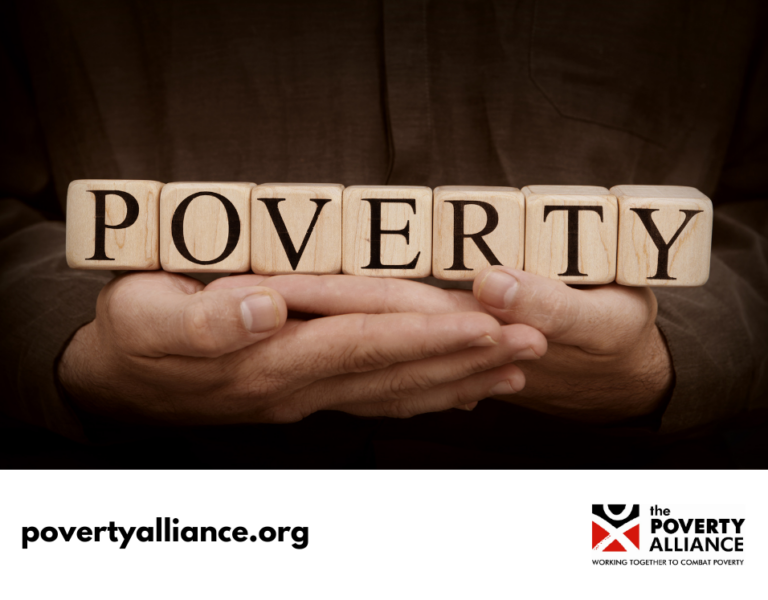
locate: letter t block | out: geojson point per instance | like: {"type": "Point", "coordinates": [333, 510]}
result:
{"type": "Point", "coordinates": [387, 231]}
{"type": "Point", "coordinates": [665, 235]}
{"type": "Point", "coordinates": [571, 233]}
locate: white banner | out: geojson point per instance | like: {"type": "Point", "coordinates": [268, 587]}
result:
{"type": "Point", "coordinates": [390, 534]}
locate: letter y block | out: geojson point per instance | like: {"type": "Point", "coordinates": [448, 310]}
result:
{"type": "Point", "coordinates": [665, 235]}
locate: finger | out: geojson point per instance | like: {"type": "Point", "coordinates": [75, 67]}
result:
{"type": "Point", "coordinates": [345, 294]}
{"type": "Point", "coordinates": [598, 319]}
{"type": "Point", "coordinates": [469, 390]}
{"type": "Point", "coordinates": [517, 342]}
{"type": "Point", "coordinates": [359, 343]}
{"type": "Point", "coordinates": [159, 314]}
{"type": "Point", "coordinates": [237, 281]}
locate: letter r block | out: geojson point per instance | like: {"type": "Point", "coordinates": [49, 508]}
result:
{"type": "Point", "coordinates": [665, 235]}
{"type": "Point", "coordinates": [571, 233]}
{"type": "Point", "coordinates": [205, 227]}
{"type": "Point", "coordinates": [387, 231]}
{"type": "Point", "coordinates": [113, 224]}
{"type": "Point", "coordinates": [475, 227]}
{"type": "Point", "coordinates": [296, 228]}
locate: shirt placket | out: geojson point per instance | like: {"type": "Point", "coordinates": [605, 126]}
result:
{"type": "Point", "coordinates": [408, 91]}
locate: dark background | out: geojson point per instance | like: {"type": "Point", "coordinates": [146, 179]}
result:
{"type": "Point", "coordinates": [423, 93]}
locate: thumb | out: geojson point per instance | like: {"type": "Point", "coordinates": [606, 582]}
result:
{"type": "Point", "coordinates": [586, 318]}
{"type": "Point", "coordinates": [157, 316]}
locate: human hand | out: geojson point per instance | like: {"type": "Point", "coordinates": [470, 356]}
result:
{"type": "Point", "coordinates": [606, 359]}
{"type": "Point", "coordinates": [164, 348]}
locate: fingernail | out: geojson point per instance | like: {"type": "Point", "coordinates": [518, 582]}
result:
{"type": "Point", "coordinates": [498, 289]}
{"type": "Point", "coordinates": [501, 389]}
{"type": "Point", "coordinates": [486, 340]}
{"type": "Point", "coordinates": [468, 407]}
{"type": "Point", "coordinates": [527, 354]}
{"type": "Point", "coordinates": [260, 313]}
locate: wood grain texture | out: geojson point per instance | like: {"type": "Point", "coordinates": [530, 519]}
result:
{"type": "Point", "coordinates": [204, 214]}
{"type": "Point", "coordinates": [505, 222]}
{"type": "Point", "coordinates": [556, 248]}
{"type": "Point", "coordinates": [412, 209]}
{"type": "Point", "coordinates": [298, 210]}
{"type": "Point", "coordinates": [134, 204]}
{"type": "Point", "coordinates": [682, 219]}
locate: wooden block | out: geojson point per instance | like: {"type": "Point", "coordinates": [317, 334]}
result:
{"type": "Point", "coordinates": [665, 235]}
{"type": "Point", "coordinates": [205, 227]}
{"type": "Point", "coordinates": [387, 231]}
{"type": "Point", "coordinates": [296, 228]}
{"type": "Point", "coordinates": [113, 224]}
{"type": "Point", "coordinates": [475, 227]}
{"type": "Point", "coordinates": [571, 232]}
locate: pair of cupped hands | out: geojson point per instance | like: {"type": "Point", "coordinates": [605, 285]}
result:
{"type": "Point", "coordinates": [164, 348]}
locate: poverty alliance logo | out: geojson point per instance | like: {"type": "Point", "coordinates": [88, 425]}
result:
{"type": "Point", "coordinates": [615, 527]}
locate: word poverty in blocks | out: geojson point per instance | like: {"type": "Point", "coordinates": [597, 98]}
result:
{"type": "Point", "coordinates": [634, 234]}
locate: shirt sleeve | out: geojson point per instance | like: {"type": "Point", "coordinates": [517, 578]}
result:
{"type": "Point", "coordinates": [718, 334]}
{"type": "Point", "coordinates": [42, 301]}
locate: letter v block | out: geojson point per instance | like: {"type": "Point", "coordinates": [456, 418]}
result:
{"type": "Point", "coordinates": [205, 227]}
{"type": "Point", "coordinates": [387, 231]}
{"type": "Point", "coordinates": [475, 227]}
{"type": "Point", "coordinates": [571, 233]}
{"type": "Point", "coordinates": [665, 235]}
{"type": "Point", "coordinates": [296, 228]}
{"type": "Point", "coordinates": [113, 224]}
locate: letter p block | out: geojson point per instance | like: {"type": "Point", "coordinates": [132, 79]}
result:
{"type": "Point", "coordinates": [112, 224]}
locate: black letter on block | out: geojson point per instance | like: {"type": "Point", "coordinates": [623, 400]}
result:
{"type": "Point", "coordinates": [285, 239]}
{"type": "Point", "coordinates": [492, 221]}
{"type": "Point", "coordinates": [573, 234]}
{"type": "Point", "coordinates": [132, 213]}
{"type": "Point", "coordinates": [177, 228]}
{"type": "Point", "coordinates": [377, 232]}
{"type": "Point", "coordinates": [646, 217]}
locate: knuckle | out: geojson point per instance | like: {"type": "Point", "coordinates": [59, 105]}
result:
{"type": "Point", "coordinates": [553, 308]}
{"type": "Point", "coordinates": [198, 326]}
{"type": "Point", "coordinates": [364, 355]}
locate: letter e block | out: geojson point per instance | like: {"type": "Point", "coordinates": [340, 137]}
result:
{"type": "Point", "coordinates": [296, 228]}
{"type": "Point", "coordinates": [665, 235]}
{"type": "Point", "coordinates": [571, 233]}
{"type": "Point", "coordinates": [113, 224]}
{"type": "Point", "coordinates": [387, 231]}
{"type": "Point", "coordinates": [475, 227]}
{"type": "Point", "coordinates": [205, 227]}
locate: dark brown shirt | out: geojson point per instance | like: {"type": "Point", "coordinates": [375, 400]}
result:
{"type": "Point", "coordinates": [365, 92]}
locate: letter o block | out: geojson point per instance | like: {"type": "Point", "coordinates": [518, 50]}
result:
{"type": "Point", "coordinates": [665, 235]}
{"type": "Point", "coordinates": [571, 233]}
{"type": "Point", "coordinates": [205, 227]}
{"type": "Point", "coordinates": [387, 231]}
{"type": "Point", "coordinates": [296, 228]}
{"type": "Point", "coordinates": [113, 224]}
{"type": "Point", "coordinates": [475, 227]}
